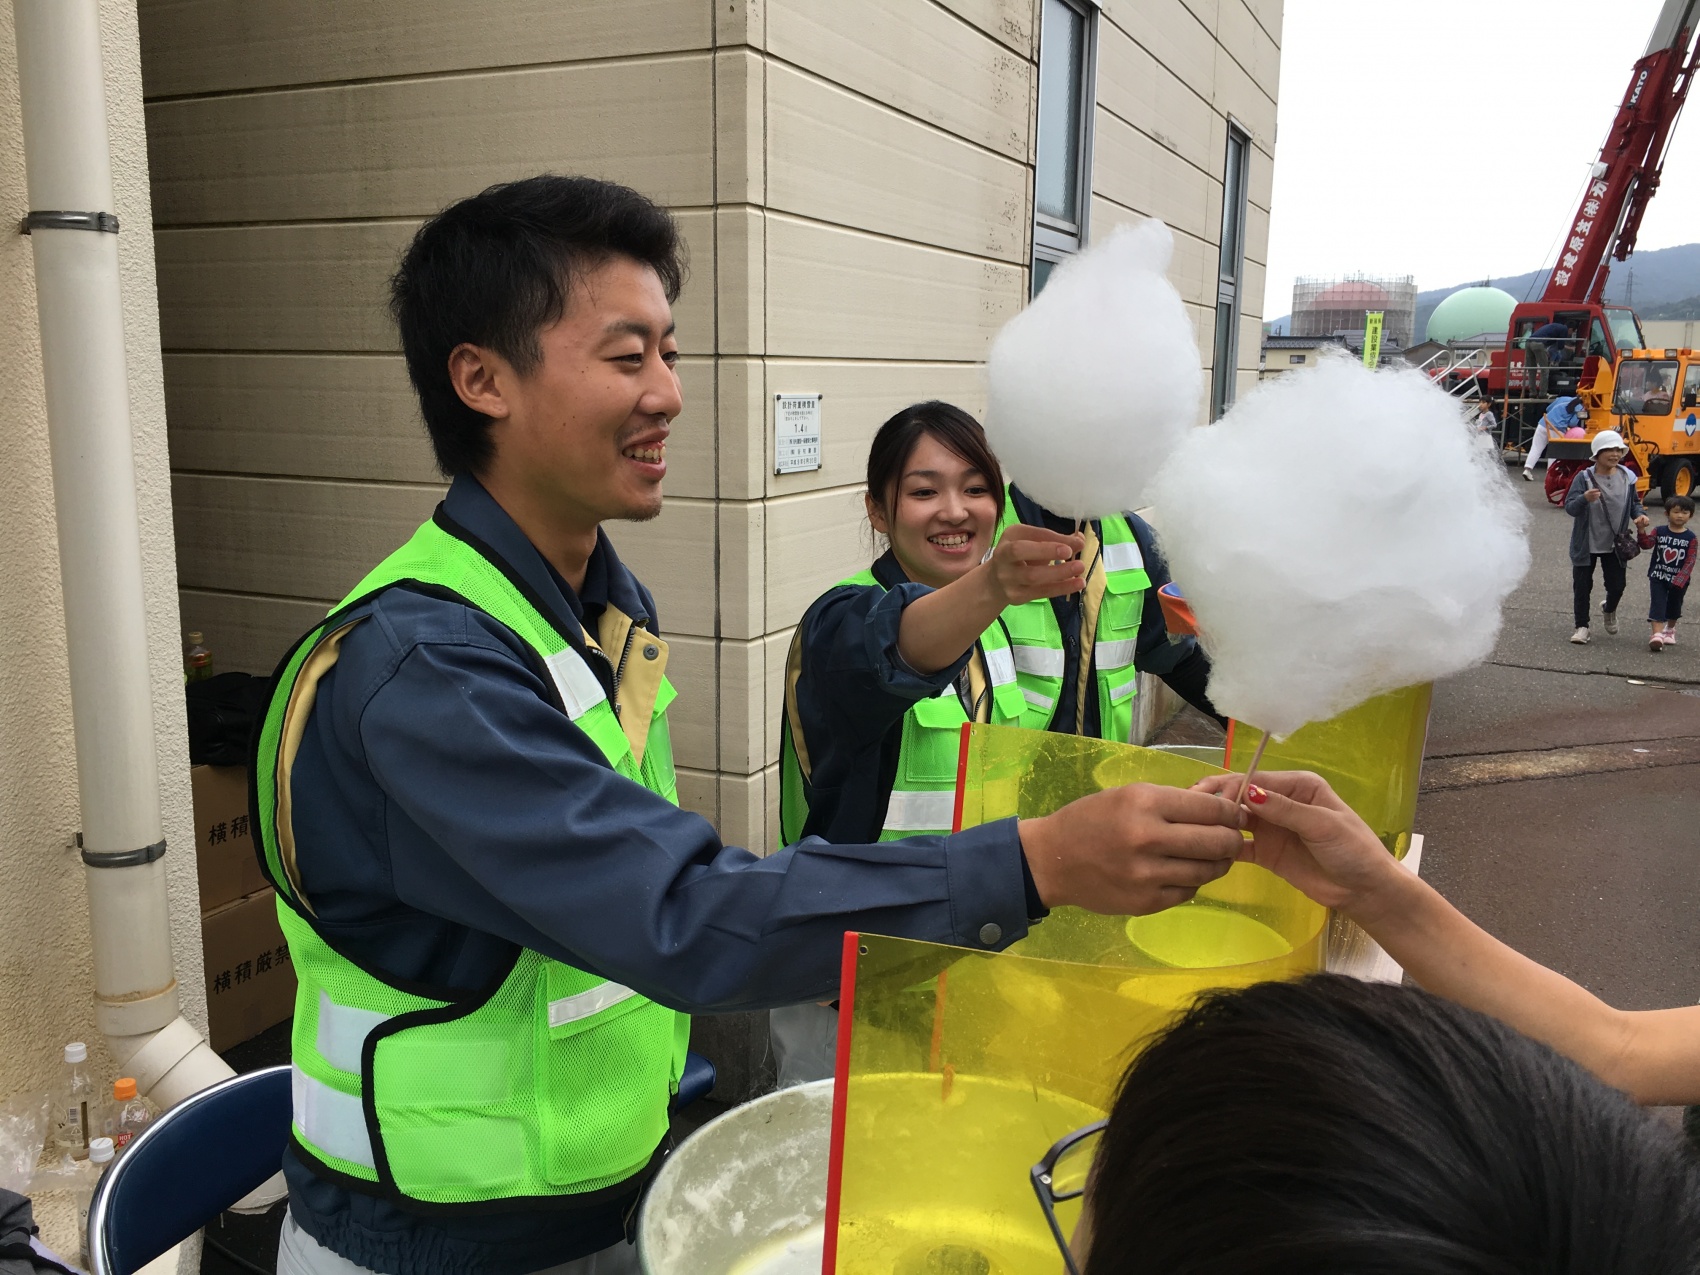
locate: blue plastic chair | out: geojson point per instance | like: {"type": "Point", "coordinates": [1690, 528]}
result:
{"type": "Point", "coordinates": [197, 1159]}
{"type": "Point", "coordinates": [193, 1162]}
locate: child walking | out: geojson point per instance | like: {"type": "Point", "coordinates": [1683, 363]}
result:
{"type": "Point", "coordinates": [1674, 549]}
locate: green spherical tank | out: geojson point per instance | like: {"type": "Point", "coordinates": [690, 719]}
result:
{"type": "Point", "coordinates": [1471, 312]}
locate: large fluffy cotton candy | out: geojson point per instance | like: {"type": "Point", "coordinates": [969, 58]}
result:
{"type": "Point", "coordinates": [1091, 385]}
{"type": "Point", "coordinates": [1339, 533]}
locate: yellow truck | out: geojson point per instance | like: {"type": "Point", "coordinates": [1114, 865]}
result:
{"type": "Point", "coordinates": [1652, 398]}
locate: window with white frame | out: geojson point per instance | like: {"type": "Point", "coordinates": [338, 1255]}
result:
{"type": "Point", "coordinates": [1230, 271]}
{"type": "Point", "coordinates": [1062, 172]}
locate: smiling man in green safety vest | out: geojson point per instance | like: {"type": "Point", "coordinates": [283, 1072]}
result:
{"type": "Point", "coordinates": [465, 795]}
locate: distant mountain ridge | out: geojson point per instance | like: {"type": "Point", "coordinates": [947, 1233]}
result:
{"type": "Point", "coordinates": [1661, 277]}
{"type": "Point", "coordinates": [1666, 286]}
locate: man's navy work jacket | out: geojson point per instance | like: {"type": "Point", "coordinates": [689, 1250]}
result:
{"type": "Point", "coordinates": [445, 811]}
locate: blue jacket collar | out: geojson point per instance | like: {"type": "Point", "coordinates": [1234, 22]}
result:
{"type": "Point", "coordinates": [473, 511]}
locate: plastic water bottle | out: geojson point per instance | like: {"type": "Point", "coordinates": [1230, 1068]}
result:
{"type": "Point", "coordinates": [78, 1111]}
{"type": "Point", "coordinates": [131, 1113]}
{"type": "Point", "coordinates": [100, 1155]}
{"type": "Point", "coordinates": [197, 660]}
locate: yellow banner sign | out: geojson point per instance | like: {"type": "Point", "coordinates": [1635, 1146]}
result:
{"type": "Point", "coordinates": [1372, 338]}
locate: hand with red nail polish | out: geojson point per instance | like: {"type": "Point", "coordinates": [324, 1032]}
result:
{"type": "Point", "coordinates": [1304, 833]}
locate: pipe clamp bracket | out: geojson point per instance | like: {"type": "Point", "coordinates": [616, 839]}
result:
{"type": "Point", "coordinates": [103, 222]}
{"type": "Point", "coordinates": [121, 858]}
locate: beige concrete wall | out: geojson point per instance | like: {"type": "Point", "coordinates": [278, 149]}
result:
{"type": "Point", "coordinates": [46, 983]}
{"type": "Point", "coordinates": [853, 179]}
{"type": "Point", "coordinates": [1171, 74]}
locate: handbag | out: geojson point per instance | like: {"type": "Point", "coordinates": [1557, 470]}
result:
{"type": "Point", "coordinates": [1627, 543]}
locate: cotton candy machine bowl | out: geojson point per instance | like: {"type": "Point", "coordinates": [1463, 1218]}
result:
{"type": "Point", "coordinates": [746, 1193]}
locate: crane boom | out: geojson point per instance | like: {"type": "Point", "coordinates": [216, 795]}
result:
{"type": "Point", "coordinates": [1626, 176]}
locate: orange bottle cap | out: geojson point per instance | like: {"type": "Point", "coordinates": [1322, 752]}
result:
{"type": "Point", "coordinates": [124, 1089]}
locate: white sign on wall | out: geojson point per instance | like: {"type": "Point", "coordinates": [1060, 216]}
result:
{"type": "Point", "coordinates": [796, 432]}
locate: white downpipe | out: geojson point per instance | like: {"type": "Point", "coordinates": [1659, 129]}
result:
{"type": "Point", "coordinates": [62, 94]}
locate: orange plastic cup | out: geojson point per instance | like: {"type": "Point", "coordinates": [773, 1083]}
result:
{"type": "Point", "coordinates": [1177, 613]}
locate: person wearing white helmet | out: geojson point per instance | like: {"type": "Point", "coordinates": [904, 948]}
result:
{"type": "Point", "coordinates": [1603, 503]}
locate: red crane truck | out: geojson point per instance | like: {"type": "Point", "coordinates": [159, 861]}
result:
{"type": "Point", "coordinates": [1582, 338]}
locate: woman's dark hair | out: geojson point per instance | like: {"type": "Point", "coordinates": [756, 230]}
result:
{"type": "Point", "coordinates": [1331, 1126]}
{"type": "Point", "coordinates": [1684, 503]}
{"type": "Point", "coordinates": [959, 432]}
{"type": "Point", "coordinates": [496, 269]}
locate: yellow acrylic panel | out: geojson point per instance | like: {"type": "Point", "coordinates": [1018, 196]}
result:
{"type": "Point", "coordinates": [1372, 755]}
{"type": "Point", "coordinates": [958, 1069]}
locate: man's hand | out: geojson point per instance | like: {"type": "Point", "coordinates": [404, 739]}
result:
{"type": "Point", "coordinates": [1591, 495]}
{"type": "Point", "coordinates": [1132, 850]}
{"type": "Point", "coordinates": [1305, 834]}
{"type": "Point", "coordinates": [1033, 562]}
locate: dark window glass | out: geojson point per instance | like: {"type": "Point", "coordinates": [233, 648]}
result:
{"type": "Point", "coordinates": [1222, 377]}
{"type": "Point", "coordinates": [1233, 204]}
{"type": "Point", "coordinates": [1062, 59]}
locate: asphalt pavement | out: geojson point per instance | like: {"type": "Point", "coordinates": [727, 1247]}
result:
{"type": "Point", "coordinates": [1559, 786]}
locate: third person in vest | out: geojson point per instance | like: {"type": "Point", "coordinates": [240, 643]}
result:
{"type": "Point", "coordinates": [1078, 657]}
{"type": "Point", "coordinates": [887, 665]}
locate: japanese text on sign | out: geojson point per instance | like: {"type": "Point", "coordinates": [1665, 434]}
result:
{"type": "Point", "coordinates": [796, 432]}
{"type": "Point", "coordinates": [1372, 338]}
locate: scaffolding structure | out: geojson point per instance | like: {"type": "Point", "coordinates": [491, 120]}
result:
{"type": "Point", "coordinates": [1326, 307]}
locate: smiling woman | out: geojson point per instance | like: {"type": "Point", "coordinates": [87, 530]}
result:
{"type": "Point", "coordinates": [887, 665]}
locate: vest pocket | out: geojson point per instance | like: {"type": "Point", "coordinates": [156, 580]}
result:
{"type": "Point", "coordinates": [1124, 603]}
{"type": "Point", "coordinates": [930, 740]}
{"type": "Point", "coordinates": [605, 1064]}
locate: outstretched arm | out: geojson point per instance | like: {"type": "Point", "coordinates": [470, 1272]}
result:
{"type": "Point", "coordinates": [1028, 563]}
{"type": "Point", "coordinates": [1306, 834]}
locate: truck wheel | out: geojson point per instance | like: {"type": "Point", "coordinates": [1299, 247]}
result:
{"type": "Point", "coordinates": [1677, 478]}
{"type": "Point", "coordinates": [1559, 476]}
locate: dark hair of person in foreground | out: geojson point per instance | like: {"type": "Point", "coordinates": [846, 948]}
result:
{"type": "Point", "coordinates": [498, 268]}
{"type": "Point", "coordinates": [1332, 1126]}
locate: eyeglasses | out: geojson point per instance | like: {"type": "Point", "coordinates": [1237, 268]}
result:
{"type": "Point", "coordinates": [1061, 1175]}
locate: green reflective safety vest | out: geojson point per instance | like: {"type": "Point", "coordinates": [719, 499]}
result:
{"type": "Point", "coordinates": [1036, 640]}
{"type": "Point", "coordinates": [556, 1082]}
{"type": "Point", "coordinates": [923, 793]}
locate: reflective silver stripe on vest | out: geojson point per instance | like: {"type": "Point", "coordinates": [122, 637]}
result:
{"type": "Point", "coordinates": [342, 1033]}
{"type": "Point", "coordinates": [580, 691]}
{"type": "Point", "coordinates": [569, 1009]}
{"type": "Point", "coordinates": [1125, 691]}
{"type": "Point", "coordinates": [920, 811]}
{"type": "Point", "coordinates": [1123, 555]}
{"type": "Point", "coordinates": [329, 1120]}
{"type": "Point", "coordinates": [1034, 698]}
{"type": "Point", "coordinates": [1114, 655]}
{"type": "Point", "coordinates": [1000, 666]}
{"type": "Point", "coordinates": [1041, 661]}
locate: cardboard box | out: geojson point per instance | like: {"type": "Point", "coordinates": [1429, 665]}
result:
{"type": "Point", "coordinates": [250, 980]}
{"type": "Point", "coordinates": [224, 846]}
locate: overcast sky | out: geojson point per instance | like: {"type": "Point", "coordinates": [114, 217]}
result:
{"type": "Point", "coordinates": [1450, 140]}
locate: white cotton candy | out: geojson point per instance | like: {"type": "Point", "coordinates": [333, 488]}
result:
{"type": "Point", "coordinates": [1093, 383]}
{"type": "Point", "coordinates": [1339, 533]}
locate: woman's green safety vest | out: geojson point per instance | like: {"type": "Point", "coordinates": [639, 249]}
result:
{"type": "Point", "coordinates": [923, 793]}
{"type": "Point", "coordinates": [1036, 640]}
{"type": "Point", "coordinates": [555, 1083]}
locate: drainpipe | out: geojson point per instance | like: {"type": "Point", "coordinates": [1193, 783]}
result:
{"type": "Point", "coordinates": [74, 235]}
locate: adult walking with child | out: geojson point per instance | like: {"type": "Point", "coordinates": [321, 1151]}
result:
{"type": "Point", "coordinates": [1667, 574]}
{"type": "Point", "coordinates": [1603, 502]}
